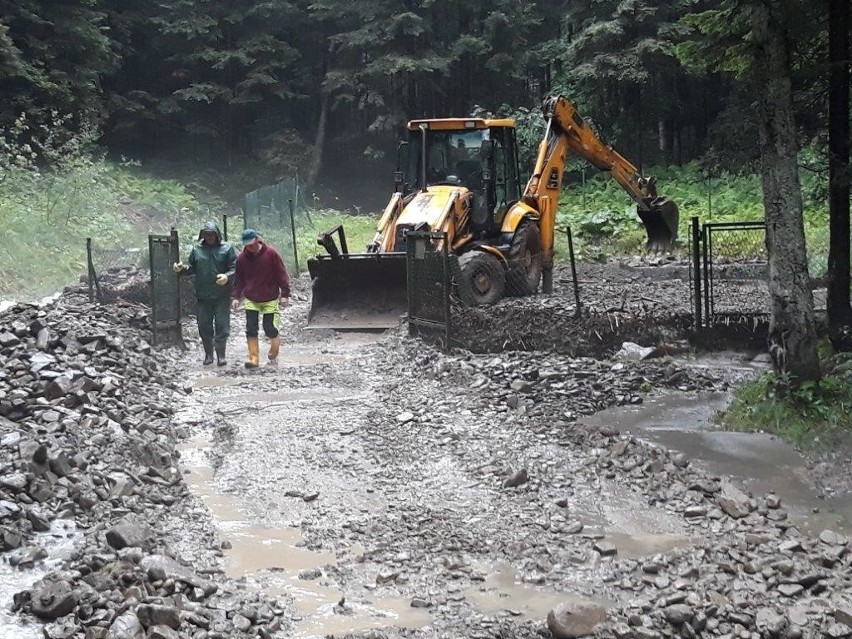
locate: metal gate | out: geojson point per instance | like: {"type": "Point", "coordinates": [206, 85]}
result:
{"type": "Point", "coordinates": [165, 290]}
{"type": "Point", "coordinates": [729, 272]}
{"type": "Point", "coordinates": [429, 285]}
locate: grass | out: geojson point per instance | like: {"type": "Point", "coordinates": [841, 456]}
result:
{"type": "Point", "coordinates": [47, 216]}
{"type": "Point", "coordinates": [817, 416]}
{"type": "Point", "coordinates": [603, 218]}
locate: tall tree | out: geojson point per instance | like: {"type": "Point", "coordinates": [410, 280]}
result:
{"type": "Point", "coordinates": [211, 70]}
{"type": "Point", "coordinates": [839, 309]}
{"type": "Point", "coordinates": [750, 38]}
{"type": "Point", "coordinates": [53, 56]}
{"type": "Point", "coordinates": [792, 331]}
{"type": "Point", "coordinates": [619, 63]}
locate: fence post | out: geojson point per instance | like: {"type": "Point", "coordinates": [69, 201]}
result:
{"type": "Point", "coordinates": [91, 268]}
{"type": "Point", "coordinates": [573, 271]}
{"type": "Point", "coordinates": [293, 231]}
{"type": "Point", "coordinates": [445, 262]}
{"type": "Point", "coordinates": [705, 257]}
{"type": "Point", "coordinates": [175, 245]}
{"type": "Point", "coordinates": [225, 226]}
{"type": "Point", "coordinates": [696, 271]}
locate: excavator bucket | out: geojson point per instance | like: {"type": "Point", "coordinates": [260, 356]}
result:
{"type": "Point", "coordinates": [358, 291]}
{"type": "Point", "coordinates": [660, 220]}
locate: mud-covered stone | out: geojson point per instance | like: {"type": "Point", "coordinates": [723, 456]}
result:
{"type": "Point", "coordinates": [570, 620]}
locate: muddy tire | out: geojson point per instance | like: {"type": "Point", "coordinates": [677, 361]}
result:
{"type": "Point", "coordinates": [483, 279]}
{"type": "Point", "coordinates": [525, 260]}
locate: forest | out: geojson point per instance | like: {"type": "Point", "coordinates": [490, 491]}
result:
{"type": "Point", "coordinates": [257, 91]}
{"type": "Point", "coordinates": [324, 86]}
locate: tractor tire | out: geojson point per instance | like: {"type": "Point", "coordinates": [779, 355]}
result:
{"type": "Point", "coordinates": [526, 261]}
{"type": "Point", "coordinates": [483, 279]}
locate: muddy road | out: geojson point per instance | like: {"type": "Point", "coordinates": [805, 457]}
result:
{"type": "Point", "coordinates": [372, 486]}
{"type": "Point", "coordinates": [381, 488]}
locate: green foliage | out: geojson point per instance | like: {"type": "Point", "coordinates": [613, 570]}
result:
{"type": "Point", "coordinates": [815, 416]}
{"type": "Point", "coordinates": [359, 229]}
{"type": "Point", "coordinates": [601, 214]}
{"type": "Point", "coordinates": [47, 214]}
{"type": "Point", "coordinates": [53, 56]}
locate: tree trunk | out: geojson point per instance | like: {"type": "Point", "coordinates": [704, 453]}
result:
{"type": "Point", "coordinates": [319, 142]}
{"type": "Point", "coordinates": [792, 332]}
{"type": "Point", "coordinates": [839, 310]}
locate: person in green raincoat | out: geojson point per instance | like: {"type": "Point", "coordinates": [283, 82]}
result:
{"type": "Point", "coordinates": [213, 262]}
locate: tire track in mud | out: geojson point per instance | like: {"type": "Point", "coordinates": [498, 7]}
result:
{"type": "Point", "coordinates": [382, 489]}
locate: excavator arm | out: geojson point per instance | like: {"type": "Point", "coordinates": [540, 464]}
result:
{"type": "Point", "coordinates": [568, 133]}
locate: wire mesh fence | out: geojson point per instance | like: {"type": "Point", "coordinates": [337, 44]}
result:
{"type": "Point", "coordinates": [429, 268]}
{"type": "Point", "coordinates": [729, 270]}
{"type": "Point", "coordinates": [275, 212]}
{"type": "Point", "coordinates": [101, 261]}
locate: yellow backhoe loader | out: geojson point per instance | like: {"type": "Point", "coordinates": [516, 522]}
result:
{"type": "Point", "coordinates": [461, 176]}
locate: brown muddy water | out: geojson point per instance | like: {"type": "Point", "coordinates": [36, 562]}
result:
{"type": "Point", "coordinates": [758, 462]}
{"type": "Point", "coordinates": [276, 560]}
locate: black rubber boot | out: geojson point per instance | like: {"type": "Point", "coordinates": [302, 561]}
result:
{"type": "Point", "coordinates": [220, 355]}
{"type": "Point", "coordinates": [208, 353]}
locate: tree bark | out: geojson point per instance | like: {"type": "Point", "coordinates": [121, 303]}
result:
{"type": "Point", "coordinates": [319, 143]}
{"type": "Point", "coordinates": [792, 332]}
{"type": "Point", "coordinates": [839, 309]}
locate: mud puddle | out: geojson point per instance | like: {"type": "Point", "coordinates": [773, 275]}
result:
{"type": "Point", "coordinates": [276, 561]}
{"type": "Point", "coordinates": [761, 463]}
{"type": "Point", "coordinates": [503, 591]}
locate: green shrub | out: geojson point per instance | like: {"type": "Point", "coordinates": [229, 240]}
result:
{"type": "Point", "coordinates": [57, 192]}
{"type": "Point", "coordinates": [603, 217]}
{"type": "Point", "coordinates": [816, 415]}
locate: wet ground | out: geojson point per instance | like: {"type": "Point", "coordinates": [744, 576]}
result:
{"type": "Point", "coordinates": [365, 485]}
{"type": "Point", "coordinates": [372, 486]}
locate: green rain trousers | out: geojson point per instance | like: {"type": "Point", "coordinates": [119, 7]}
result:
{"type": "Point", "coordinates": [214, 320]}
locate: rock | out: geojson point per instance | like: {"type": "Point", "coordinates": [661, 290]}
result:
{"type": "Point", "coordinates": [789, 590]}
{"type": "Point", "coordinates": [54, 600]}
{"type": "Point", "coordinates": [767, 621]}
{"type": "Point", "coordinates": [241, 623]}
{"type": "Point", "coordinates": [155, 615]}
{"type": "Point", "coordinates": [405, 417]}
{"type": "Point", "coordinates": [842, 610]}
{"type": "Point", "coordinates": [733, 501]}
{"type": "Point", "coordinates": [162, 632]}
{"type": "Point", "coordinates": [833, 538]}
{"type": "Point", "coordinates": [516, 479]}
{"type": "Point", "coordinates": [605, 548]}
{"type": "Point", "coordinates": [574, 619]}
{"type": "Point", "coordinates": [678, 614]}
{"type": "Point", "coordinates": [419, 602]}
{"type": "Point", "coordinates": [58, 387]}
{"type": "Point", "coordinates": [633, 352]}
{"type": "Point", "coordinates": [130, 531]}
{"type": "Point", "coordinates": [126, 626]}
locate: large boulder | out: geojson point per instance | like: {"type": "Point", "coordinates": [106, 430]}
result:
{"type": "Point", "coordinates": [574, 619]}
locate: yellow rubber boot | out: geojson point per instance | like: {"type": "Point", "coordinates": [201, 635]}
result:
{"type": "Point", "coordinates": [253, 352]}
{"type": "Point", "coordinates": [274, 346]}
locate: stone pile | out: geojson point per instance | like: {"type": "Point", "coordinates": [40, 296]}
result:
{"type": "Point", "coordinates": [86, 441]}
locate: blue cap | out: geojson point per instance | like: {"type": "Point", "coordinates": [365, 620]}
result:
{"type": "Point", "coordinates": [249, 235]}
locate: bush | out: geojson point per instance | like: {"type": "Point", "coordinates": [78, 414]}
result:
{"type": "Point", "coordinates": [56, 190]}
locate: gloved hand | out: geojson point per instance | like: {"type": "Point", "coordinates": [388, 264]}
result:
{"type": "Point", "coordinates": [177, 267]}
{"type": "Point", "coordinates": [221, 279]}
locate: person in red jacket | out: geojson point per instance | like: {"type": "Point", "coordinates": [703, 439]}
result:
{"type": "Point", "coordinates": [262, 280]}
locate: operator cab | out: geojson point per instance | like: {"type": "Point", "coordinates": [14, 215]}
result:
{"type": "Point", "coordinates": [478, 155]}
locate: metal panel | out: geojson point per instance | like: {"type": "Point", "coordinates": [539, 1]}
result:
{"type": "Point", "coordinates": [165, 290]}
{"type": "Point", "coordinates": [429, 283]}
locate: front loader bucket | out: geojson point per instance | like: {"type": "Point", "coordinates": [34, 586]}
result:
{"type": "Point", "coordinates": [660, 220]}
{"type": "Point", "coordinates": [358, 291]}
